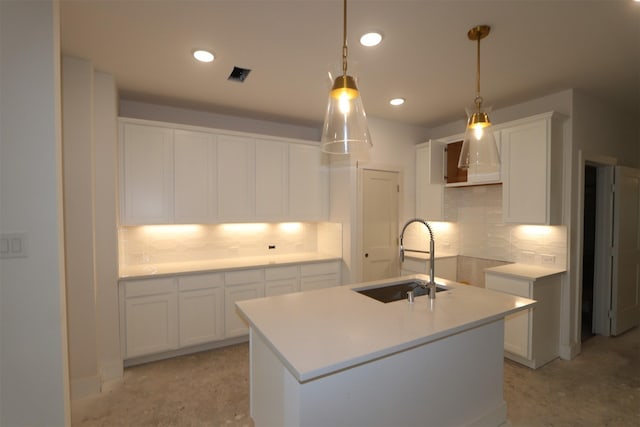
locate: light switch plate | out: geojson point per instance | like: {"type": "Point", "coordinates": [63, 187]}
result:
{"type": "Point", "coordinates": [13, 245]}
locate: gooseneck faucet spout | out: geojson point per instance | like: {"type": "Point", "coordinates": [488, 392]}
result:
{"type": "Point", "coordinates": [431, 252]}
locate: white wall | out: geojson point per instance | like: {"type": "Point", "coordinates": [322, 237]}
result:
{"type": "Point", "coordinates": [34, 388]}
{"type": "Point", "coordinates": [106, 214]}
{"type": "Point", "coordinates": [77, 129]}
{"type": "Point", "coordinates": [90, 203]}
{"type": "Point", "coordinates": [598, 130]}
{"type": "Point", "coordinates": [185, 116]}
{"type": "Point", "coordinates": [393, 149]}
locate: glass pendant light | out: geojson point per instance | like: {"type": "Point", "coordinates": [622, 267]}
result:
{"type": "Point", "coordinates": [345, 129]}
{"type": "Point", "coordinates": [479, 151]}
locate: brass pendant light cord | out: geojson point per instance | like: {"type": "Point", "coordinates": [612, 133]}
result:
{"type": "Point", "coordinates": [344, 41]}
{"type": "Point", "coordinates": [478, 100]}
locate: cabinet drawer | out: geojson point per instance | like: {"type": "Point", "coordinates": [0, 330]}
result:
{"type": "Point", "coordinates": [278, 273]}
{"type": "Point", "coordinates": [509, 285]}
{"type": "Point", "coordinates": [200, 281]}
{"type": "Point", "coordinates": [137, 288]}
{"type": "Point", "coordinates": [243, 276]}
{"type": "Point", "coordinates": [319, 268]}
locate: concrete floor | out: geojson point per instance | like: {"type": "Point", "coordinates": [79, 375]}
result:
{"type": "Point", "coordinates": [601, 387]}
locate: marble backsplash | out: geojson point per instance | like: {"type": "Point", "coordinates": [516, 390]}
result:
{"type": "Point", "coordinates": [156, 244]}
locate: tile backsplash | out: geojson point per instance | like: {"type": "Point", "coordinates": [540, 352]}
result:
{"type": "Point", "coordinates": [474, 229]}
{"type": "Point", "coordinates": [155, 244]}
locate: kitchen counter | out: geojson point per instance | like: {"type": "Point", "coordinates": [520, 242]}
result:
{"type": "Point", "coordinates": [336, 337]}
{"type": "Point", "coordinates": [166, 269]}
{"type": "Point", "coordinates": [525, 271]}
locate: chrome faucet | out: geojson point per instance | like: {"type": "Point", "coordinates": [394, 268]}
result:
{"type": "Point", "coordinates": [431, 252]}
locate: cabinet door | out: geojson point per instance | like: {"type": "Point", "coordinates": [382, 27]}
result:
{"type": "Point", "coordinates": [308, 184]}
{"type": "Point", "coordinates": [194, 177]}
{"type": "Point", "coordinates": [235, 325]}
{"type": "Point", "coordinates": [271, 180]}
{"type": "Point", "coordinates": [235, 177]}
{"type": "Point", "coordinates": [429, 181]}
{"type": "Point", "coordinates": [517, 326]}
{"type": "Point", "coordinates": [517, 335]}
{"type": "Point", "coordinates": [532, 168]}
{"type": "Point", "coordinates": [150, 324]}
{"type": "Point", "coordinates": [280, 287]}
{"type": "Point", "coordinates": [146, 174]}
{"type": "Point", "coordinates": [201, 316]}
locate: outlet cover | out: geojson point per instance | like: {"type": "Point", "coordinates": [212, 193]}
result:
{"type": "Point", "coordinates": [548, 259]}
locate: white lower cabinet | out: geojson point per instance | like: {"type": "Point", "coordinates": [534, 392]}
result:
{"type": "Point", "coordinates": [531, 336]}
{"type": "Point", "coordinates": [201, 308]}
{"type": "Point", "coordinates": [150, 311]}
{"type": "Point", "coordinates": [320, 275]}
{"type": "Point", "coordinates": [165, 314]}
{"type": "Point", "coordinates": [281, 280]}
{"type": "Point", "coordinates": [240, 286]}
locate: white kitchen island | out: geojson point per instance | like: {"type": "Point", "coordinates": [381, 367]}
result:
{"type": "Point", "coordinates": [334, 357]}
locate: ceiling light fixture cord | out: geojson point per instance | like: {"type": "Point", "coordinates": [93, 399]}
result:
{"type": "Point", "coordinates": [344, 40]}
{"type": "Point", "coordinates": [478, 100]}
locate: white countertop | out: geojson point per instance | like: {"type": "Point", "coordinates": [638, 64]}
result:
{"type": "Point", "coordinates": [525, 271]}
{"type": "Point", "coordinates": [319, 332]}
{"type": "Point", "coordinates": [154, 270]}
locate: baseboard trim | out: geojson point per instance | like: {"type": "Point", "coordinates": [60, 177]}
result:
{"type": "Point", "coordinates": [570, 351]}
{"type": "Point", "coordinates": [85, 387]}
{"type": "Point", "coordinates": [183, 351]}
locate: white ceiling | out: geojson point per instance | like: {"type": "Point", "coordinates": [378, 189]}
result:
{"type": "Point", "coordinates": [536, 47]}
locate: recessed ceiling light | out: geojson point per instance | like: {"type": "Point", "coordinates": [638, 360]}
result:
{"type": "Point", "coordinates": [203, 55]}
{"type": "Point", "coordinates": [371, 39]}
{"type": "Point", "coordinates": [397, 101]}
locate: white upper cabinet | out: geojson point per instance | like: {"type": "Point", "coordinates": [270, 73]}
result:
{"type": "Point", "coordinates": [146, 165]}
{"type": "Point", "coordinates": [532, 170]}
{"type": "Point", "coordinates": [172, 174]}
{"type": "Point", "coordinates": [429, 181]}
{"type": "Point", "coordinates": [194, 179]}
{"type": "Point", "coordinates": [271, 195]}
{"type": "Point", "coordinates": [308, 184]}
{"type": "Point", "coordinates": [236, 178]}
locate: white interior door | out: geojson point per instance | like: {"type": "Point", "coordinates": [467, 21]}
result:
{"type": "Point", "coordinates": [625, 292]}
{"type": "Point", "coordinates": [380, 225]}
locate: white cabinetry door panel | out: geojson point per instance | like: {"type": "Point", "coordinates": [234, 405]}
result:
{"type": "Point", "coordinates": [532, 158]}
{"type": "Point", "coordinates": [280, 287]}
{"type": "Point", "coordinates": [271, 179]}
{"type": "Point", "coordinates": [194, 177]}
{"type": "Point", "coordinates": [308, 184]}
{"type": "Point", "coordinates": [201, 316]}
{"type": "Point", "coordinates": [319, 275]}
{"type": "Point", "coordinates": [201, 308]}
{"type": "Point", "coordinates": [146, 174]}
{"type": "Point", "coordinates": [430, 181]}
{"type": "Point", "coordinates": [151, 324]}
{"type": "Point", "coordinates": [281, 280]}
{"type": "Point", "coordinates": [234, 324]}
{"type": "Point", "coordinates": [235, 178]}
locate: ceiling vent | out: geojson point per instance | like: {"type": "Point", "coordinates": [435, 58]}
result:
{"type": "Point", "coordinates": [239, 74]}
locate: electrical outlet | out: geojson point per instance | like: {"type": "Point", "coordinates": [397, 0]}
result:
{"type": "Point", "coordinates": [528, 256]}
{"type": "Point", "coordinates": [548, 259]}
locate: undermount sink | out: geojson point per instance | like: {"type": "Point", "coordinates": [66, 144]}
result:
{"type": "Point", "coordinates": [397, 291]}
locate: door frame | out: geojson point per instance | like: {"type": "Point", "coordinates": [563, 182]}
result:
{"type": "Point", "coordinates": [360, 168]}
{"type": "Point", "coordinates": [604, 230]}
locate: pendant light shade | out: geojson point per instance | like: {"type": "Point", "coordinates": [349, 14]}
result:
{"type": "Point", "coordinates": [345, 129]}
{"type": "Point", "coordinates": [479, 151]}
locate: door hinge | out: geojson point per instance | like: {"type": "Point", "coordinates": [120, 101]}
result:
{"type": "Point", "coordinates": [610, 314]}
{"type": "Point", "coordinates": [613, 188]}
{"type": "Point", "coordinates": [398, 188]}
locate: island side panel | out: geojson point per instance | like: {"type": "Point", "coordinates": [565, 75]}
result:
{"type": "Point", "coordinates": [457, 380]}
